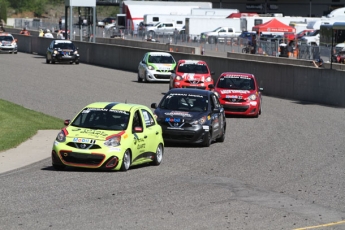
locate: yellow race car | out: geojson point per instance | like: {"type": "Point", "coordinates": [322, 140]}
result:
{"type": "Point", "coordinates": [109, 136]}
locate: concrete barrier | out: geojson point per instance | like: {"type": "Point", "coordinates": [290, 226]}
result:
{"type": "Point", "coordinates": [296, 82]}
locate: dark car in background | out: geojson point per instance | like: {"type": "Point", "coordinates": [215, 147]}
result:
{"type": "Point", "coordinates": [191, 116]}
{"type": "Point", "coordinates": [106, 21]}
{"type": "Point", "coordinates": [62, 51]}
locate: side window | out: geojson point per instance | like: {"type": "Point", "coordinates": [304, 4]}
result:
{"type": "Point", "coordinates": [169, 25]}
{"type": "Point", "coordinates": [230, 30]}
{"type": "Point", "coordinates": [212, 104]}
{"type": "Point", "coordinates": [137, 122]}
{"type": "Point", "coordinates": [215, 101]}
{"type": "Point", "coordinates": [149, 121]}
{"type": "Point", "coordinates": [155, 19]}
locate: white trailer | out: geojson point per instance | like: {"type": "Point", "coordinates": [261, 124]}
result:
{"type": "Point", "coordinates": [316, 23]}
{"type": "Point", "coordinates": [213, 12]}
{"type": "Point", "coordinates": [176, 18]}
{"type": "Point", "coordinates": [196, 26]}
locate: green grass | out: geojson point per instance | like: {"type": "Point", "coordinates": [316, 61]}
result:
{"type": "Point", "coordinates": [18, 124]}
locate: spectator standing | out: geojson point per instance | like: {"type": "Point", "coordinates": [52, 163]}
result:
{"type": "Point", "coordinates": [60, 24]}
{"type": "Point", "coordinates": [176, 32]}
{"type": "Point", "coordinates": [25, 32]}
{"type": "Point", "coordinates": [48, 34]}
{"type": "Point", "coordinates": [253, 51]}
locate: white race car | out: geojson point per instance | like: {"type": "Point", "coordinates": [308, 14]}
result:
{"type": "Point", "coordinates": [8, 43]}
{"type": "Point", "coordinates": [156, 66]}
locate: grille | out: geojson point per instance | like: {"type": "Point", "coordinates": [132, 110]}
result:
{"type": "Point", "coordinates": [234, 99]}
{"type": "Point", "coordinates": [236, 108]}
{"type": "Point", "coordinates": [83, 146]}
{"type": "Point", "coordinates": [160, 76]}
{"type": "Point", "coordinates": [184, 137]}
{"type": "Point", "coordinates": [164, 71]}
{"type": "Point", "coordinates": [82, 158]}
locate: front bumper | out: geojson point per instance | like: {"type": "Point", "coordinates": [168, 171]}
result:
{"type": "Point", "coordinates": [65, 58]}
{"type": "Point", "coordinates": [250, 108]}
{"type": "Point", "coordinates": [8, 49]}
{"type": "Point", "coordinates": [192, 134]}
{"type": "Point", "coordinates": [157, 75]}
{"type": "Point", "coordinates": [93, 159]}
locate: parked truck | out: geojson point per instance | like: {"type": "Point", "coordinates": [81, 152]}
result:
{"type": "Point", "coordinates": [219, 34]}
{"type": "Point", "coordinates": [195, 26]}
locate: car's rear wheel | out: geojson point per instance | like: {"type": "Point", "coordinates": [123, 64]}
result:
{"type": "Point", "coordinates": [126, 161]}
{"type": "Point", "coordinates": [207, 140]}
{"type": "Point", "coordinates": [159, 155]}
{"type": "Point", "coordinates": [139, 78]}
{"type": "Point", "coordinates": [59, 167]}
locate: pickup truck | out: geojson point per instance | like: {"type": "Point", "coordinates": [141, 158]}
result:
{"type": "Point", "coordinates": [219, 34]}
{"type": "Point", "coordinates": [312, 39]}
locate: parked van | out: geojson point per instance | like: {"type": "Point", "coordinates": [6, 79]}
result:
{"type": "Point", "coordinates": [163, 28]}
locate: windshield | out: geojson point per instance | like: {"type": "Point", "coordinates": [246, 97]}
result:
{"type": "Point", "coordinates": [98, 118]}
{"type": "Point", "coordinates": [185, 102]}
{"type": "Point", "coordinates": [315, 32]}
{"type": "Point", "coordinates": [192, 68]}
{"type": "Point", "coordinates": [236, 82]}
{"type": "Point", "coordinates": [64, 45]}
{"type": "Point", "coordinates": [161, 59]}
{"type": "Point", "coordinates": [216, 29]}
{"type": "Point", "coordinates": [6, 38]}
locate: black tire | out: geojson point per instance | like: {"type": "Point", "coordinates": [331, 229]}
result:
{"type": "Point", "coordinates": [207, 140]}
{"type": "Point", "coordinates": [53, 61]}
{"type": "Point", "coordinates": [59, 167]}
{"type": "Point", "coordinates": [157, 160]}
{"type": "Point", "coordinates": [47, 61]}
{"type": "Point", "coordinates": [139, 78]}
{"type": "Point", "coordinates": [222, 137]}
{"type": "Point", "coordinates": [126, 161]}
{"type": "Point", "coordinates": [145, 78]}
{"type": "Point", "coordinates": [76, 62]}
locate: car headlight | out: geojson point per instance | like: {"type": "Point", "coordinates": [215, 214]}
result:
{"type": "Point", "coordinates": [61, 137]}
{"type": "Point", "coordinates": [178, 78]}
{"type": "Point", "coordinates": [55, 52]}
{"type": "Point", "coordinates": [252, 97]}
{"type": "Point", "coordinates": [150, 67]}
{"type": "Point", "coordinates": [76, 52]}
{"type": "Point", "coordinates": [208, 79]}
{"type": "Point", "coordinates": [113, 141]}
{"type": "Point", "coordinates": [199, 121]}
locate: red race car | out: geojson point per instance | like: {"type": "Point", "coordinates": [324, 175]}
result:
{"type": "Point", "coordinates": [239, 94]}
{"type": "Point", "coordinates": [191, 74]}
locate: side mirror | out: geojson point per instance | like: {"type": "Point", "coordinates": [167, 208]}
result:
{"type": "Point", "coordinates": [66, 122]}
{"type": "Point", "coordinates": [138, 129]}
{"type": "Point", "coordinates": [143, 62]}
{"type": "Point", "coordinates": [216, 110]}
{"type": "Point", "coordinates": [212, 72]}
{"type": "Point", "coordinates": [154, 105]}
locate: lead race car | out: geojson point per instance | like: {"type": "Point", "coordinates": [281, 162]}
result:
{"type": "Point", "coordinates": [62, 51]}
{"type": "Point", "coordinates": [191, 116]}
{"type": "Point", "coordinates": [109, 136]}
{"type": "Point", "coordinates": [239, 94]}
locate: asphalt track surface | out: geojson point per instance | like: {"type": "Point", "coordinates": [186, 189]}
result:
{"type": "Point", "coordinates": [284, 170]}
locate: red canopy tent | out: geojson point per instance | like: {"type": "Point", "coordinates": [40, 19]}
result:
{"type": "Point", "coordinates": [273, 25]}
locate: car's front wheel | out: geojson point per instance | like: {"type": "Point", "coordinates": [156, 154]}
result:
{"type": "Point", "coordinates": [59, 167]}
{"type": "Point", "coordinates": [139, 78]}
{"type": "Point", "coordinates": [47, 60]}
{"type": "Point", "coordinates": [207, 140]}
{"type": "Point", "coordinates": [222, 137]}
{"type": "Point", "coordinates": [157, 160]}
{"type": "Point", "coordinates": [126, 161]}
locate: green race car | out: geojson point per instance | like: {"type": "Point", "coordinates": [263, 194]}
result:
{"type": "Point", "coordinates": [109, 136]}
{"type": "Point", "coordinates": [156, 66]}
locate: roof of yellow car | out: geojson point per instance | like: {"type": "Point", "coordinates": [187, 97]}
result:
{"type": "Point", "coordinates": [113, 105]}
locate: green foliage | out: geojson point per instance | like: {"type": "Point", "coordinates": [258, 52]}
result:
{"type": "Point", "coordinates": [18, 124]}
{"type": "Point", "coordinates": [37, 6]}
{"type": "Point", "coordinates": [3, 9]}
